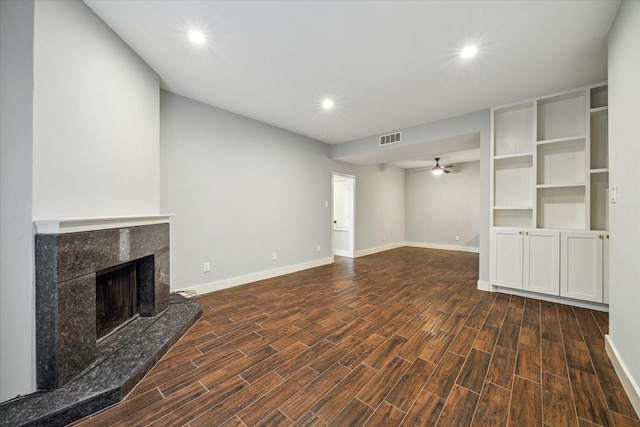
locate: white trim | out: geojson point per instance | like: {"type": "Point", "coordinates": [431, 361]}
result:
{"type": "Point", "coordinates": [341, 252]}
{"type": "Point", "coordinates": [205, 288]}
{"type": "Point", "coordinates": [444, 247]}
{"type": "Point", "coordinates": [552, 298]}
{"type": "Point", "coordinates": [485, 286]}
{"type": "Point", "coordinates": [371, 251]}
{"type": "Point", "coordinates": [74, 225]}
{"type": "Point", "coordinates": [628, 383]}
{"type": "Point", "coordinates": [351, 251]}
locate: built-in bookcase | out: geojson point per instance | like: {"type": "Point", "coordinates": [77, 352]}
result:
{"type": "Point", "coordinates": [513, 165]}
{"type": "Point", "coordinates": [550, 162]}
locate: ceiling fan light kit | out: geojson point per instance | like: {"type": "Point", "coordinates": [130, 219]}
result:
{"type": "Point", "coordinates": [439, 170]}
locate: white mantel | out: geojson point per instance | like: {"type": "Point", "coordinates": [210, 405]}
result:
{"type": "Point", "coordinates": [74, 225]}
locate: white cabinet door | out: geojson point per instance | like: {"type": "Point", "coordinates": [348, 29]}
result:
{"type": "Point", "coordinates": [541, 261]}
{"type": "Point", "coordinates": [581, 265]}
{"type": "Point", "coordinates": [506, 258]}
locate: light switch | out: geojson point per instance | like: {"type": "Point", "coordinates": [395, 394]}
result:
{"type": "Point", "coordinates": [613, 194]}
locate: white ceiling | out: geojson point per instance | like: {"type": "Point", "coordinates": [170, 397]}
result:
{"type": "Point", "coordinates": [387, 64]}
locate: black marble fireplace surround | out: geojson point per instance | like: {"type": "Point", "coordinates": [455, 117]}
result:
{"type": "Point", "coordinates": [76, 374]}
{"type": "Point", "coordinates": [66, 266]}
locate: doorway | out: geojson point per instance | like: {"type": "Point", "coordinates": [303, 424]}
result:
{"type": "Point", "coordinates": [343, 215]}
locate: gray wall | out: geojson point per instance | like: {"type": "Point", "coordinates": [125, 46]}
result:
{"type": "Point", "coordinates": [441, 133]}
{"type": "Point", "coordinates": [240, 190]}
{"type": "Point", "coordinates": [96, 130]}
{"type": "Point", "coordinates": [80, 115]}
{"type": "Point", "coordinates": [439, 208]}
{"type": "Point", "coordinates": [379, 216]}
{"type": "Point", "coordinates": [16, 244]}
{"type": "Point", "coordinates": [624, 156]}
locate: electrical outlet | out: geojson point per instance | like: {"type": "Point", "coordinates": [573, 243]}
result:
{"type": "Point", "coordinates": [206, 267]}
{"type": "Point", "coordinates": [384, 238]}
{"type": "Point", "coordinates": [318, 248]}
{"type": "Point", "coordinates": [274, 256]}
{"type": "Point", "coordinates": [457, 238]}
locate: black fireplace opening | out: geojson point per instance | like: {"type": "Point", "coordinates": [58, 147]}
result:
{"type": "Point", "coordinates": [117, 296]}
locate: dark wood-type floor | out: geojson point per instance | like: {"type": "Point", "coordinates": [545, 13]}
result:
{"type": "Point", "coordinates": [401, 337]}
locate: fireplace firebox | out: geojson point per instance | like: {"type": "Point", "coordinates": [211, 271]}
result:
{"type": "Point", "coordinates": [116, 298]}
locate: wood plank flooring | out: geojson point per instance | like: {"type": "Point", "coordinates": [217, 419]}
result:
{"type": "Point", "coordinates": [399, 338]}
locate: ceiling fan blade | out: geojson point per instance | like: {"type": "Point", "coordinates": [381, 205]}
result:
{"type": "Point", "coordinates": [421, 170]}
{"type": "Point", "coordinates": [446, 171]}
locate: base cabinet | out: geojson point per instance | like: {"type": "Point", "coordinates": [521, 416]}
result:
{"type": "Point", "coordinates": [506, 258]}
{"type": "Point", "coordinates": [572, 264]}
{"type": "Point", "coordinates": [582, 266]}
{"type": "Point", "coordinates": [526, 259]}
{"type": "Point", "coordinates": [541, 272]}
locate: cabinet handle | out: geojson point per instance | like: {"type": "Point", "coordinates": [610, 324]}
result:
{"type": "Point", "coordinates": [607, 236]}
{"type": "Point", "coordinates": [599, 236]}
{"type": "Point", "coordinates": [519, 232]}
{"type": "Point", "coordinates": [526, 232]}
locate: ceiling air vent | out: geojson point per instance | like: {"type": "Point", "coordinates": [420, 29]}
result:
{"type": "Point", "coordinates": [392, 138]}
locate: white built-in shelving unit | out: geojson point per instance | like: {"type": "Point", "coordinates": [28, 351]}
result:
{"type": "Point", "coordinates": [550, 174]}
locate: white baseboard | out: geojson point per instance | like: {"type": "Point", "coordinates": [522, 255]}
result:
{"type": "Point", "coordinates": [340, 252]}
{"type": "Point", "coordinates": [629, 385]}
{"type": "Point", "coordinates": [551, 298]}
{"type": "Point", "coordinates": [444, 247]}
{"type": "Point", "coordinates": [485, 286]}
{"type": "Point", "coordinates": [262, 275]}
{"type": "Point", "coordinates": [205, 288]}
{"type": "Point", "coordinates": [370, 251]}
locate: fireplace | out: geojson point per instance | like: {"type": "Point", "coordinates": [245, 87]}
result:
{"type": "Point", "coordinates": [70, 270]}
{"type": "Point", "coordinates": [89, 356]}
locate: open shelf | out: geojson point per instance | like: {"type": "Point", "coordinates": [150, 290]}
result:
{"type": "Point", "coordinates": [578, 184]}
{"type": "Point", "coordinates": [514, 156]}
{"type": "Point", "coordinates": [561, 116]}
{"type": "Point", "coordinates": [562, 140]}
{"type": "Point", "coordinates": [599, 140]}
{"type": "Point", "coordinates": [561, 208]}
{"type": "Point", "coordinates": [513, 129]}
{"type": "Point", "coordinates": [515, 217]}
{"type": "Point", "coordinates": [561, 163]}
{"type": "Point", "coordinates": [599, 213]}
{"type": "Point", "coordinates": [599, 97]}
{"type": "Point", "coordinates": [513, 181]}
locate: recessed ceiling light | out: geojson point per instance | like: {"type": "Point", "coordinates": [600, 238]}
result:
{"type": "Point", "coordinates": [468, 52]}
{"type": "Point", "coordinates": [197, 37]}
{"type": "Point", "coordinates": [327, 104]}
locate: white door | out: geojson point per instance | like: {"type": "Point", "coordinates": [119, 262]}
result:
{"type": "Point", "coordinates": [506, 258]}
{"type": "Point", "coordinates": [343, 215]}
{"type": "Point", "coordinates": [581, 265]}
{"type": "Point", "coordinates": [541, 265]}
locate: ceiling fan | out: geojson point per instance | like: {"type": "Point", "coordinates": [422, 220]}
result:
{"type": "Point", "coordinates": [437, 169]}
